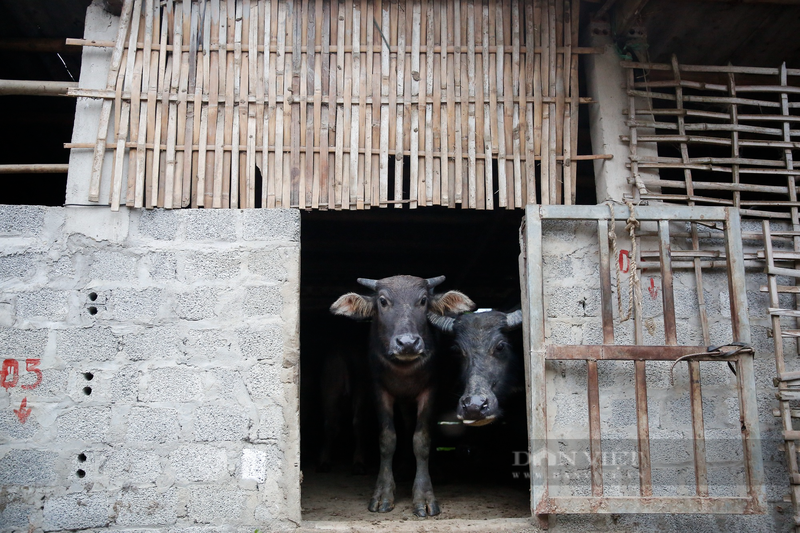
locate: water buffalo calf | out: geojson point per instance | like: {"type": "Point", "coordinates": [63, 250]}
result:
{"type": "Point", "coordinates": [491, 368]}
{"type": "Point", "coordinates": [402, 360]}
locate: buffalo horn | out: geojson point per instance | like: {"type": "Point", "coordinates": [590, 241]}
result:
{"type": "Point", "coordinates": [444, 323]}
{"type": "Point", "coordinates": [514, 319]}
{"type": "Point", "coordinates": [432, 282]}
{"type": "Point", "coordinates": [369, 283]}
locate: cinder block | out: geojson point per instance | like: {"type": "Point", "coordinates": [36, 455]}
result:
{"type": "Point", "coordinates": [16, 514]}
{"type": "Point", "coordinates": [161, 343]}
{"type": "Point", "coordinates": [272, 424]}
{"type": "Point", "coordinates": [212, 266]}
{"type": "Point", "coordinates": [20, 266]}
{"type": "Point", "coordinates": [220, 422]}
{"type": "Point", "coordinates": [28, 467]}
{"type": "Point", "coordinates": [262, 300]}
{"type": "Point", "coordinates": [63, 269]}
{"type": "Point", "coordinates": [150, 424]}
{"type": "Point", "coordinates": [218, 506]}
{"type": "Point", "coordinates": [173, 384]}
{"type": "Point", "coordinates": [271, 225]}
{"type": "Point", "coordinates": [22, 343]}
{"type": "Point", "coordinates": [265, 343]}
{"type": "Point", "coordinates": [158, 224]}
{"type": "Point", "coordinates": [136, 306]}
{"type": "Point", "coordinates": [147, 507]}
{"type": "Point", "coordinates": [89, 424]}
{"type": "Point", "coordinates": [565, 302]}
{"type": "Point", "coordinates": [12, 430]}
{"type": "Point", "coordinates": [199, 304]}
{"type": "Point", "coordinates": [128, 465]}
{"type": "Point", "coordinates": [198, 462]}
{"type": "Point", "coordinates": [271, 263]}
{"type": "Point", "coordinates": [571, 412]}
{"type": "Point", "coordinates": [263, 381]}
{"type": "Point", "coordinates": [210, 343]}
{"type": "Point", "coordinates": [125, 385]}
{"type": "Point", "coordinates": [76, 511]}
{"type": "Point", "coordinates": [162, 266]}
{"type": "Point", "coordinates": [95, 343]}
{"type": "Point", "coordinates": [22, 220]}
{"type": "Point", "coordinates": [43, 304]}
{"type": "Point", "coordinates": [113, 265]}
{"type": "Point", "coordinates": [211, 224]}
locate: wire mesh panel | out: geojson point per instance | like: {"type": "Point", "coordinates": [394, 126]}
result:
{"type": "Point", "coordinates": [725, 135]}
{"type": "Point", "coordinates": [347, 104]}
{"type": "Point", "coordinates": [641, 351]}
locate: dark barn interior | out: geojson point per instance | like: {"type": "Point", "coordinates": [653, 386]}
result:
{"type": "Point", "coordinates": [478, 253]}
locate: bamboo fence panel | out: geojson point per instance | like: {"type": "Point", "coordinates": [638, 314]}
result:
{"type": "Point", "coordinates": [341, 104]}
{"type": "Point", "coordinates": [729, 143]}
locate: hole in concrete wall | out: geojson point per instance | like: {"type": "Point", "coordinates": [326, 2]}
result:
{"type": "Point", "coordinates": [82, 457]}
{"type": "Point", "coordinates": [80, 473]}
{"type": "Point", "coordinates": [87, 391]}
{"type": "Point", "coordinates": [88, 376]}
{"type": "Point", "coordinates": [92, 296]}
{"type": "Point", "coordinates": [472, 468]}
{"type": "Point", "coordinates": [92, 310]}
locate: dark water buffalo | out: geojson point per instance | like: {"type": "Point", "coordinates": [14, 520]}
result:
{"type": "Point", "coordinates": [491, 367]}
{"type": "Point", "coordinates": [402, 361]}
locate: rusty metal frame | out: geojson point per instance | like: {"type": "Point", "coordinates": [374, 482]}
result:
{"type": "Point", "coordinates": [539, 352]}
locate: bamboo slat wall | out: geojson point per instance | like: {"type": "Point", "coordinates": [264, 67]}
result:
{"type": "Point", "coordinates": [320, 103]}
{"type": "Point", "coordinates": [731, 142]}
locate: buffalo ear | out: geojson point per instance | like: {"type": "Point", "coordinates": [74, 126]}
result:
{"type": "Point", "coordinates": [451, 302]}
{"type": "Point", "coordinates": [354, 306]}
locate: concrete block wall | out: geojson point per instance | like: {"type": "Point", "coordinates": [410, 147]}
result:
{"type": "Point", "coordinates": [150, 369]}
{"type": "Point", "coordinates": [573, 317]}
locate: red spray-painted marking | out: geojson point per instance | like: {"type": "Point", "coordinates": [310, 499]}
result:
{"type": "Point", "coordinates": [9, 377]}
{"type": "Point", "coordinates": [624, 261]}
{"type": "Point", "coordinates": [653, 290]}
{"type": "Point", "coordinates": [23, 412]}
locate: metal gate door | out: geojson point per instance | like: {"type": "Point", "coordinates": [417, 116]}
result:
{"type": "Point", "coordinates": [718, 230]}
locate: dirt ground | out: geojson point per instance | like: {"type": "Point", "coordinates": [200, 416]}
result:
{"type": "Point", "coordinates": [340, 496]}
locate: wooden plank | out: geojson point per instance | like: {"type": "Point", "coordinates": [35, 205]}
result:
{"type": "Point", "coordinates": [162, 75]}
{"type": "Point", "coordinates": [472, 120]}
{"type": "Point", "coordinates": [446, 115]}
{"type": "Point", "coordinates": [280, 114]}
{"type": "Point", "coordinates": [313, 110]}
{"type": "Point", "coordinates": [518, 91]}
{"type": "Point", "coordinates": [190, 119]}
{"type": "Point", "coordinates": [356, 185]}
{"type": "Point", "coordinates": [401, 86]}
{"type": "Point", "coordinates": [105, 110]}
{"type": "Point", "coordinates": [415, 93]}
{"type": "Point", "coordinates": [210, 176]}
{"type": "Point", "coordinates": [431, 121]}
{"type": "Point", "coordinates": [144, 110]}
{"type": "Point", "coordinates": [498, 104]}
{"type": "Point", "coordinates": [385, 119]}
{"type": "Point", "coordinates": [539, 71]}
{"type": "Point", "coordinates": [485, 189]}
{"type": "Point", "coordinates": [172, 125]}
{"type": "Point", "coordinates": [294, 186]}
{"type": "Point", "coordinates": [325, 183]}
{"type": "Point", "coordinates": [135, 110]}
{"type": "Point", "coordinates": [595, 447]}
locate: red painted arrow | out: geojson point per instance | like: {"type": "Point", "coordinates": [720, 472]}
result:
{"type": "Point", "coordinates": [23, 412]}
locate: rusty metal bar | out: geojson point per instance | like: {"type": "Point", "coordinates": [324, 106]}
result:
{"type": "Point", "coordinates": [595, 448]}
{"type": "Point", "coordinates": [606, 295]}
{"type": "Point", "coordinates": [643, 431]}
{"type": "Point", "coordinates": [622, 352]}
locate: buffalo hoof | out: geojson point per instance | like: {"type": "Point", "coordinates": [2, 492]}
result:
{"type": "Point", "coordinates": [381, 506]}
{"type": "Point", "coordinates": [424, 509]}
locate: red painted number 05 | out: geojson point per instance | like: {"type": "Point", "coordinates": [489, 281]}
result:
{"type": "Point", "coordinates": [9, 375]}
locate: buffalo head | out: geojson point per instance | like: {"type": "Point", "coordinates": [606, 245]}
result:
{"type": "Point", "coordinates": [489, 363]}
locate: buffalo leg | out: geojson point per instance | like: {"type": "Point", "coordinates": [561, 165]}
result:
{"type": "Point", "coordinates": [425, 503]}
{"type": "Point", "coordinates": [383, 498]}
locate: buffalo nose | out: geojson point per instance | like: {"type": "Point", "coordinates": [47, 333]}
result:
{"type": "Point", "coordinates": [408, 344]}
{"type": "Point", "coordinates": [475, 403]}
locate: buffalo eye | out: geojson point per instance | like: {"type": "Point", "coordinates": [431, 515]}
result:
{"type": "Point", "coordinates": [501, 347]}
{"type": "Point", "coordinates": [423, 301]}
{"type": "Point", "coordinates": [383, 301]}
